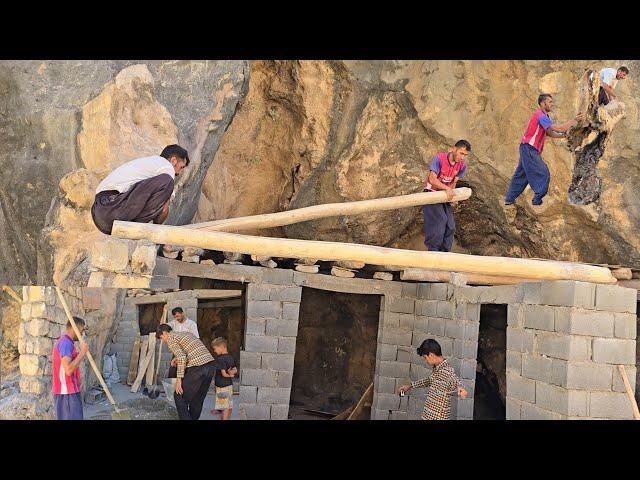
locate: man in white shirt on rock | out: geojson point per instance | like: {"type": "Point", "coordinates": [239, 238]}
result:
{"type": "Point", "coordinates": [180, 324]}
{"type": "Point", "coordinates": [139, 190]}
{"type": "Point", "coordinates": [608, 80]}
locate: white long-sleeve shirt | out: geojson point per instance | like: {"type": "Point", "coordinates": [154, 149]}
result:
{"type": "Point", "coordinates": [127, 175]}
{"type": "Point", "coordinates": [186, 326]}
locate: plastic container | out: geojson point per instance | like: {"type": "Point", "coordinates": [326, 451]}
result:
{"type": "Point", "coordinates": [169, 385]}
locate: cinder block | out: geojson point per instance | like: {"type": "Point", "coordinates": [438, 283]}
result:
{"type": "Point", "coordinates": [625, 325]}
{"type": "Point", "coordinates": [536, 367]}
{"type": "Point", "coordinates": [264, 309]}
{"type": "Point", "coordinates": [552, 397]}
{"type": "Point", "coordinates": [514, 362]}
{"type": "Point", "coordinates": [255, 326]}
{"type": "Point", "coordinates": [258, 378]}
{"type": "Point", "coordinates": [539, 317]}
{"type": "Point", "coordinates": [274, 395]}
{"type": "Point", "coordinates": [390, 320]}
{"type": "Point", "coordinates": [612, 298]}
{"type": "Point", "coordinates": [454, 329]}
{"type": "Point", "coordinates": [530, 292]}
{"type": "Point", "coordinates": [248, 394]}
{"type": "Point", "coordinates": [410, 290]}
{"type": "Point", "coordinates": [532, 412]}
{"type": "Point", "coordinates": [563, 346]}
{"type": "Point", "coordinates": [444, 309]}
{"type": "Point", "coordinates": [617, 351]}
{"type": "Point", "coordinates": [399, 416]}
{"type": "Point", "coordinates": [281, 328]}
{"type": "Point", "coordinates": [405, 356]}
{"type": "Point", "coordinates": [515, 315]}
{"type": "Point", "coordinates": [504, 294]}
{"type": "Point", "coordinates": [618, 384]}
{"type": "Point", "coordinates": [386, 401]}
{"type": "Point", "coordinates": [396, 336]}
{"type": "Point", "coordinates": [471, 331]}
{"type": "Point", "coordinates": [387, 352]}
{"type": "Point", "coordinates": [520, 388]}
{"type": "Point", "coordinates": [407, 320]}
{"type": "Point", "coordinates": [258, 291]}
{"type": "Point", "coordinates": [473, 312]}
{"type": "Point", "coordinates": [277, 276]}
{"type": "Point", "coordinates": [439, 291]}
{"type": "Point", "coordinates": [589, 376]}
{"type": "Point", "coordinates": [290, 311]}
{"type": "Point", "coordinates": [394, 369]}
{"type": "Point", "coordinates": [460, 311]}
{"type": "Point", "coordinates": [609, 405]}
{"type": "Point", "coordinates": [280, 412]}
{"type": "Point", "coordinates": [421, 323]}
{"type": "Point", "coordinates": [424, 291]}
{"type": "Point", "coordinates": [379, 414]}
{"type": "Point", "coordinates": [520, 339]}
{"type": "Point", "coordinates": [286, 294]}
{"type": "Point", "coordinates": [284, 379]}
{"type": "Point", "coordinates": [512, 409]}
{"type": "Point", "coordinates": [578, 403]}
{"type": "Point", "coordinates": [467, 294]}
{"type": "Point", "coordinates": [591, 323]}
{"type": "Point", "coordinates": [256, 411]}
{"type": "Point", "coordinates": [400, 304]}
{"type": "Point", "coordinates": [385, 385]}
{"type": "Point", "coordinates": [470, 350]}
{"type": "Point", "coordinates": [437, 326]}
{"type": "Point", "coordinates": [568, 293]}
{"type": "Point", "coordinates": [287, 345]}
{"type": "Point", "coordinates": [278, 361]}
{"type": "Point", "coordinates": [468, 369]}
{"type": "Point", "coordinates": [261, 343]}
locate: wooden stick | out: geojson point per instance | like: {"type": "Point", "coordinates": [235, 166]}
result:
{"type": "Point", "coordinates": [145, 365]}
{"type": "Point", "coordinates": [133, 363]}
{"type": "Point", "coordinates": [12, 293]}
{"type": "Point", "coordinates": [423, 275]}
{"type": "Point", "coordinates": [623, 273]}
{"type": "Point", "coordinates": [270, 220]}
{"type": "Point", "coordinates": [360, 405]}
{"type": "Point", "coordinates": [627, 387]}
{"type": "Point", "coordinates": [332, 251]}
{"type": "Point", "coordinates": [89, 356]}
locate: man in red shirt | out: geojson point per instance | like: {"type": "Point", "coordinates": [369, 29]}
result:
{"type": "Point", "coordinates": [531, 168]}
{"type": "Point", "coordinates": [446, 169]}
{"type": "Point", "coordinates": [66, 374]}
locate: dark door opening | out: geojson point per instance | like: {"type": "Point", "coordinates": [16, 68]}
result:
{"type": "Point", "coordinates": [491, 383]}
{"type": "Point", "coordinates": [195, 283]}
{"type": "Point", "coordinates": [335, 355]}
{"type": "Point", "coordinates": [222, 318]}
{"type": "Point", "coordinates": [149, 316]}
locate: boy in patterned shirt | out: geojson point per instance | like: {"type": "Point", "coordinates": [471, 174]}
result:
{"type": "Point", "coordinates": [442, 383]}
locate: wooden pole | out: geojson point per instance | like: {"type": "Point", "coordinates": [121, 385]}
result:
{"type": "Point", "coordinates": [627, 387]}
{"type": "Point", "coordinates": [333, 251]}
{"type": "Point", "coordinates": [422, 275]}
{"type": "Point", "coordinates": [270, 220]}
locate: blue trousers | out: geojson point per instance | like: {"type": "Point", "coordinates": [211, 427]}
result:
{"type": "Point", "coordinates": [439, 227]}
{"type": "Point", "coordinates": [531, 170]}
{"type": "Point", "coordinates": [68, 407]}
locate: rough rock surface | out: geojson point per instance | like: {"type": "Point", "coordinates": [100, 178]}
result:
{"type": "Point", "coordinates": [310, 132]}
{"type": "Point", "coordinates": [9, 324]}
{"type": "Point", "coordinates": [59, 117]}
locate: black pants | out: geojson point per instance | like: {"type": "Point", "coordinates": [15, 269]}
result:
{"type": "Point", "coordinates": [195, 386]}
{"type": "Point", "coordinates": [141, 203]}
{"type": "Point", "coordinates": [603, 98]}
{"type": "Point", "coordinates": [439, 227]}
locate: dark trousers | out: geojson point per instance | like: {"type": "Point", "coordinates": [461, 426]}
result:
{"type": "Point", "coordinates": [68, 407]}
{"type": "Point", "coordinates": [531, 170]}
{"type": "Point", "coordinates": [141, 203]}
{"type": "Point", "coordinates": [195, 386]}
{"type": "Point", "coordinates": [439, 227]}
{"type": "Point", "coordinates": [603, 98]}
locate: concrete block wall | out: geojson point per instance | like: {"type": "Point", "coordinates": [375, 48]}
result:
{"type": "Point", "coordinates": [564, 342]}
{"type": "Point", "coordinates": [120, 263]}
{"type": "Point", "coordinates": [420, 311]}
{"type": "Point", "coordinates": [269, 348]}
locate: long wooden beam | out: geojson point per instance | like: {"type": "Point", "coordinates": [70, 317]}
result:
{"type": "Point", "coordinates": [422, 275]}
{"type": "Point", "coordinates": [270, 220]}
{"type": "Point", "coordinates": [333, 251]}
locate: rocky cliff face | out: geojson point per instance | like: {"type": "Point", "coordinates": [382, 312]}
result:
{"type": "Point", "coordinates": [341, 131]}
{"type": "Point", "coordinates": [269, 136]}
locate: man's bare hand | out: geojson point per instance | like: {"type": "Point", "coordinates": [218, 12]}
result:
{"type": "Point", "coordinates": [450, 193]}
{"type": "Point", "coordinates": [84, 348]}
{"type": "Point", "coordinates": [404, 388]}
{"type": "Point", "coordinates": [232, 371]}
{"type": "Point", "coordinates": [174, 362]}
{"type": "Point", "coordinates": [179, 390]}
{"type": "Point", "coordinates": [462, 393]}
